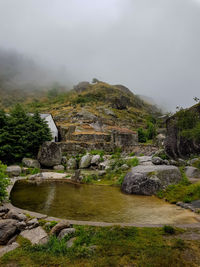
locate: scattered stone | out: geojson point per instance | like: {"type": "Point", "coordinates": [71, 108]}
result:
{"type": "Point", "coordinates": [3, 209]}
{"type": "Point", "coordinates": [193, 161]}
{"type": "Point", "coordinates": [66, 232]}
{"type": "Point", "coordinates": [50, 154]}
{"type": "Point", "coordinates": [124, 167]}
{"type": "Point", "coordinates": [192, 172]}
{"type": "Point", "coordinates": [8, 228]}
{"type": "Point", "coordinates": [59, 226]}
{"type": "Point", "coordinates": [101, 173]}
{"type": "Point", "coordinates": [8, 248]}
{"type": "Point", "coordinates": [59, 168]}
{"type": "Point", "coordinates": [166, 162]}
{"type": "Point", "coordinates": [72, 164]}
{"type": "Point", "coordinates": [104, 165]}
{"type": "Point", "coordinates": [35, 235]}
{"type": "Point", "coordinates": [144, 160]}
{"type": "Point", "coordinates": [147, 180]}
{"type": "Point", "coordinates": [157, 161]}
{"type": "Point", "coordinates": [33, 223]}
{"type": "Point", "coordinates": [13, 214]}
{"type": "Point", "coordinates": [70, 243]}
{"type": "Point", "coordinates": [181, 162]}
{"type": "Point", "coordinates": [85, 161]}
{"type": "Point", "coordinates": [21, 225]}
{"type": "Point", "coordinates": [13, 171]}
{"type": "Point", "coordinates": [96, 160]}
{"type": "Point", "coordinates": [173, 162]}
{"type": "Point", "coordinates": [31, 163]}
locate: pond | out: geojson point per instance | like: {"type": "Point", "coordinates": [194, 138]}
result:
{"type": "Point", "coordinates": [96, 203]}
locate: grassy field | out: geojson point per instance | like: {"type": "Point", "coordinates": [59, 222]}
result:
{"type": "Point", "coordinates": [110, 246]}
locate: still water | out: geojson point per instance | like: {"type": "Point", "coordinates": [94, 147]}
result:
{"type": "Point", "coordinates": [95, 203]}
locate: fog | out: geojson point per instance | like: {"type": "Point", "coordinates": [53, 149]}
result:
{"type": "Point", "coordinates": [150, 46]}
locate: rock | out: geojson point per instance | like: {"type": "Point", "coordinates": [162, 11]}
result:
{"type": "Point", "coordinates": [8, 248]}
{"type": "Point", "coordinates": [13, 171]}
{"type": "Point", "coordinates": [8, 228]}
{"type": "Point", "coordinates": [35, 235]}
{"type": "Point", "coordinates": [147, 180]}
{"type": "Point", "coordinates": [70, 243]}
{"type": "Point", "coordinates": [96, 160]}
{"type": "Point", "coordinates": [182, 162]}
{"type": "Point", "coordinates": [32, 223]}
{"type": "Point", "coordinates": [160, 138]}
{"type": "Point", "coordinates": [144, 160]}
{"type": "Point", "coordinates": [50, 154]}
{"type": "Point", "coordinates": [166, 162]}
{"type": "Point", "coordinates": [101, 173]}
{"type": "Point", "coordinates": [21, 225]}
{"type": "Point", "coordinates": [124, 167]}
{"type": "Point", "coordinates": [59, 226]}
{"type": "Point", "coordinates": [64, 160]}
{"type": "Point", "coordinates": [157, 161]}
{"type": "Point", "coordinates": [109, 112]}
{"type": "Point", "coordinates": [13, 214]}
{"type": "Point", "coordinates": [31, 163]}
{"type": "Point", "coordinates": [77, 177]}
{"type": "Point", "coordinates": [72, 164]}
{"type": "Point", "coordinates": [85, 161]}
{"type": "Point", "coordinates": [104, 165]}
{"type": "Point", "coordinates": [173, 162]}
{"type": "Point", "coordinates": [59, 168]}
{"type": "Point", "coordinates": [193, 161]}
{"type": "Point", "coordinates": [3, 209]}
{"type": "Point", "coordinates": [66, 232]}
{"type": "Point", "coordinates": [82, 86]}
{"type": "Point", "coordinates": [192, 172]}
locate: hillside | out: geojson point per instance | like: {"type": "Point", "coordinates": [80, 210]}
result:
{"type": "Point", "coordinates": [96, 113]}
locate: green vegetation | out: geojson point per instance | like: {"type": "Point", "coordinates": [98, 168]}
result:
{"type": "Point", "coordinates": [167, 229]}
{"type": "Point", "coordinates": [4, 182]}
{"type": "Point", "coordinates": [184, 191]}
{"type": "Point", "coordinates": [188, 124]}
{"type": "Point", "coordinates": [108, 246]}
{"type": "Point", "coordinates": [196, 164]}
{"type": "Point", "coordinates": [149, 132]}
{"type": "Point", "coordinates": [21, 134]}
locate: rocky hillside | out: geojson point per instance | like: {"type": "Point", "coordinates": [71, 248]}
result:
{"type": "Point", "coordinates": [97, 114]}
{"type": "Point", "coordinates": [183, 133]}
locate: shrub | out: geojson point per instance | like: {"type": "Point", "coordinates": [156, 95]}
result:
{"type": "Point", "coordinates": [167, 229]}
{"type": "Point", "coordinates": [142, 138]}
{"type": "Point", "coordinates": [133, 162]}
{"type": "Point", "coordinates": [4, 182]}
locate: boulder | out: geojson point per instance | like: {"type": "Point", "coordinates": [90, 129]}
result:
{"type": "Point", "coordinates": [96, 160]}
{"type": "Point", "coordinates": [85, 161]}
{"type": "Point", "coordinates": [124, 167]}
{"type": "Point", "coordinates": [59, 227]}
{"type": "Point", "coordinates": [32, 223]}
{"type": "Point", "coordinates": [13, 171]}
{"type": "Point", "coordinates": [144, 160]}
{"type": "Point", "coordinates": [72, 164]}
{"type": "Point", "coordinates": [147, 180]}
{"type": "Point", "coordinates": [31, 163]}
{"type": "Point", "coordinates": [36, 235]}
{"type": "Point", "coordinates": [193, 161]}
{"type": "Point", "coordinates": [8, 248]}
{"type": "Point", "coordinates": [104, 165]}
{"type": "Point", "coordinates": [192, 172]}
{"type": "Point", "coordinates": [66, 232]}
{"type": "Point", "coordinates": [70, 242]}
{"type": "Point", "coordinates": [13, 214]}
{"type": "Point", "coordinates": [50, 154]}
{"type": "Point", "coordinates": [59, 168]}
{"type": "Point", "coordinates": [8, 228]}
{"type": "Point", "coordinates": [157, 161]}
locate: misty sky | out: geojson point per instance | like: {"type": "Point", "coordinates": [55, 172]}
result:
{"type": "Point", "coordinates": [151, 46]}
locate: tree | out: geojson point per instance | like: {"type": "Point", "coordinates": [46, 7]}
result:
{"type": "Point", "coordinates": [21, 135]}
{"type": "Point", "coordinates": [142, 135]}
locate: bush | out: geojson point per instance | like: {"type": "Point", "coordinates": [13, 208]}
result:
{"type": "Point", "coordinates": [167, 229]}
{"type": "Point", "coordinates": [4, 182]}
{"type": "Point", "coordinates": [133, 162]}
{"type": "Point", "coordinates": [142, 138]}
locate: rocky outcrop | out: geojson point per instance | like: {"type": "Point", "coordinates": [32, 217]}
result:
{"type": "Point", "coordinates": [36, 235]}
{"type": "Point", "coordinates": [30, 163]}
{"type": "Point", "coordinates": [85, 161]}
{"type": "Point", "coordinates": [50, 154]}
{"type": "Point", "coordinates": [192, 172]}
{"type": "Point", "coordinates": [149, 179]}
{"type": "Point", "coordinates": [176, 145]}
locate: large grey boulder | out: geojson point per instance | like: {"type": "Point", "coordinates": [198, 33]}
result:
{"type": "Point", "coordinates": [8, 228]}
{"type": "Point", "coordinates": [96, 160]}
{"type": "Point", "coordinates": [192, 172]}
{"type": "Point", "coordinates": [50, 154]}
{"type": "Point", "coordinates": [31, 163]}
{"type": "Point", "coordinates": [36, 235]}
{"type": "Point", "coordinates": [59, 227]}
{"type": "Point", "coordinates": [147, 180]}
{"type": "Point", "coordinates": [85, 161]}
{"type": "Point", "coordinates": [13, 170]}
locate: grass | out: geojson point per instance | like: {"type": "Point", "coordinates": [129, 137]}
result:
{"type": "Point", "coordinates": [108, 246]}
{"type": "Point", "coordinates": [184, 191]}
